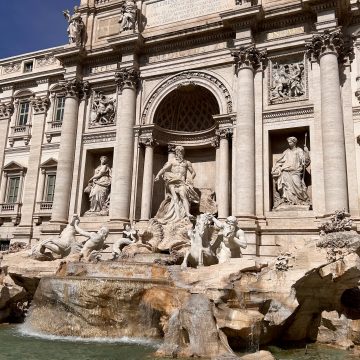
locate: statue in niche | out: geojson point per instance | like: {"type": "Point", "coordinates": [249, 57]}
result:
{"type": "Point", "coordinates": [180, 192]}
{"type": "Point", "coordinates": [128, 15]}
{"type": "Point", "coordinates": [288, 174]}
{"type": "Point", "coordinates": [288, 81]}
{"type": "Point", "coordinates": [103, 111]}
{"type": "Point", "coordinates": [95, 240]}
{"type": "Point", "coordinates": [99, 189]}
{"type": "Point", "coordinates": [76, 27]}
{"type": "Point", "coordinates": [231, 239]}
{"type": "Point", "coordinates": [130, 236]}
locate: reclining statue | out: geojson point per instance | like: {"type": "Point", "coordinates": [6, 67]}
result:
{"type": "Point", "coordinates": [129, 237]}
{"type": "Point", "coordinates": [95, 240]}
{"type": "Point", "coordinates": [61, 245]}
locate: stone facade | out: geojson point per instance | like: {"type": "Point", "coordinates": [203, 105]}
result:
{"type": "Point", "coordinates": [228, 80]}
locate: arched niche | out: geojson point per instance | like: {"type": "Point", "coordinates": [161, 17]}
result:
{"type": "Point", "coordinates": [207, 80]}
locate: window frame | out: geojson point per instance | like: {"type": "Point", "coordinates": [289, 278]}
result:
{"type": "Point", "coordinates": [20, 114]}
{"type": "Point", "coordinates": [57, 108]}
{"type": "Point", "coordinates": [45, 195]}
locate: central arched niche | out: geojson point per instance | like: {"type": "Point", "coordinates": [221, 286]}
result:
{"type": "Point", "coordinates": [189, 108]}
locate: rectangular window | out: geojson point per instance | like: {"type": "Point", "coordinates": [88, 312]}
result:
{"type": "Point", "coordinates": [60, 106]}
{"type": "Point", "coordinates": [13, 190]}
{"type": "Point", "coordinates": [50, 188]}
{"type": "Point", "coordinates": [28, 66]}
{"type": "Point", "coordinates": [24, 113]}
{"type": "Point", "coordinates": [4, 246]}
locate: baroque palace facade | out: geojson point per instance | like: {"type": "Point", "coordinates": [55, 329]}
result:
{"type": "Point", "coordinates": [262, 95]}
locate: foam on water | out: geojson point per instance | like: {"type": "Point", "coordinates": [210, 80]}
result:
{"type": "Point", "coordinates": [25, 330]}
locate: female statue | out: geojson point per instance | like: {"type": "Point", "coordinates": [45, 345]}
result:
{"type": "Point", "coordinates": [99, 189]}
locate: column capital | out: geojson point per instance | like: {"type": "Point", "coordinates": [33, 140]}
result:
{"type": "Point", "coordinates": [127, 78]}
{"type": "Point", "coordinates": [75, 88]}
{"type": "Point", "coordinates": [224, 133]}
{"type": "Point", "coordinates": [248, 58]}
{"type": "Point", "coordinates": [330, 42]}
{"type": "Point", "coordinates": [6, 110]}
{"type": "Point", "coordinates": [215, 142]}
{"type": "Point", "coordinates": [40, 104]}
{"type": "Point", "coordinates": [147, 141]}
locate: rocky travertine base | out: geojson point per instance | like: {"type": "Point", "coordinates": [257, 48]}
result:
{"type": "Point", "coordinates": [304, 295]}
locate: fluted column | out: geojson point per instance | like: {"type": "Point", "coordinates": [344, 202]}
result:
{"type": "Point", "coordinates": [327, 48]}
{"type": "Point", "coordinates": [224, 173]}
{"type": "Point", "coordinates": [246, 61]}
{"type": "Point", "coordinates": [75, 90]}
{"type": "Point", "coordinates": [40, 107]}
{"type": "Point", "coordinates": [127, 80]}
{"type": "Point", "coordinates": [148, 178]}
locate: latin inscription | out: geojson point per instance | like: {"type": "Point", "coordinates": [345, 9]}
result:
{"type": "Point", "coordinates": [167, 11]}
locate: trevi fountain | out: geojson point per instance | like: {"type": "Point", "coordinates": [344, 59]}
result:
{"type": "Point", "coordinates": [181, 180]}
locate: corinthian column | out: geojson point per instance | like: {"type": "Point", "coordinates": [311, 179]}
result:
{"type": "Point", "coordinates": [147, 186]}
{"type": "Point", "coordinates": [224, 173]}
{"type": "Point", "coordinates": [126, 80]}
{"type": "Point", "coordinates": [6, 111]}
{"type": "Point", "coordinates": [39, 106]}
{"type": "Point", "coordinates": [246, 61]}
{"type": "Point", "coordinates": [74, 90]}
{"type": "Point", "coordinates": [327, 48]}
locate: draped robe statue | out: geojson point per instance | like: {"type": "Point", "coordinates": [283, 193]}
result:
{"type": "Point", "coordinates": [288, 174]}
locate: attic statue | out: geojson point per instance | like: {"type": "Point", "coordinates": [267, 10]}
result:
{"type": "Point", "coordinates": [128, 16]}
{"type": "Point", "coordinates": [76, 27]}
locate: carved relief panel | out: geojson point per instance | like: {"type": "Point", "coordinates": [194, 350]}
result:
{"type": "Point", "coordinates": [287, 80]}
{"type": "Point", "coordinates": [103, 108]}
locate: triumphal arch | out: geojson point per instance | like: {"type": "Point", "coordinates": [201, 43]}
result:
{"type": "Point", "coordinates": [156, 111]}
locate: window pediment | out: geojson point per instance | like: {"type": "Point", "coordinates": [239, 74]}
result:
{"type": "Point", "coordinates": [13, 167]}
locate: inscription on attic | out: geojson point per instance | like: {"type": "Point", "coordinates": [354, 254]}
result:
{"type": "Point", "coordinates": [159, 12]}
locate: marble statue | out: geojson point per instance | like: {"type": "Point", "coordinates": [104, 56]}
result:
{"type": "Point", "coordinates": [232, 239]}
{"type": "Point", "coordinates": [61, 245]}
{"type": "Point", "coordinates": [99, 189]}
{"type": "Point", "coordinates": [180, 191]}
{"type": "Point", "coordinates": [288, 174]}
{"type": "Point", "coordinates": [95, 240]}
{"type": "Point", "coordinates": [130, 236]}
{"type": "Point", "coordinates": [103, 111]}
{"type": "Point", "coordinates": [128, 15]}
{"type": "Point", "coordinates": [76, 27]}
{"type": "Point", "coordinates": [288, 81]}
{"type": "Point", "coordinates": [200, 252]}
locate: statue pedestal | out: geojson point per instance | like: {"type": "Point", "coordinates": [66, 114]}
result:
{"type": "Point", "coordinates": [287, 207]}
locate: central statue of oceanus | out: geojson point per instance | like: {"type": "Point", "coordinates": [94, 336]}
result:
{"type": "Point", "coordinates": [178, 175]}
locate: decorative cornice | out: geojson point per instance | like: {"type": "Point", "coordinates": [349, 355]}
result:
{"type": "Point", "coordinates": [39, 104]}
{"type": "Point", "coordinates": [248, 58]}
{"type": "Point", "coordinates": [6, 110]}
{"type": "Point", "coordinates": [127, 78]}
{"type": "Point", "coordinates": [288, 115]}
{"type": "Point", "coordinates": [329, 42]}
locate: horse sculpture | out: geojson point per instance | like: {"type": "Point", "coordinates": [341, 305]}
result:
{"type": "Point", "coordinates": [200, 252]}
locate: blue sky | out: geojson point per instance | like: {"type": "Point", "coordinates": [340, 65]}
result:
{"type": "Point", "coordinates": [30, 25]}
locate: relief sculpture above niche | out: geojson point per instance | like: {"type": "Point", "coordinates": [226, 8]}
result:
{"type": "Point", "coordinates": [102, 110]}
{"type": "Point", "coordinates": [287, 82]}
